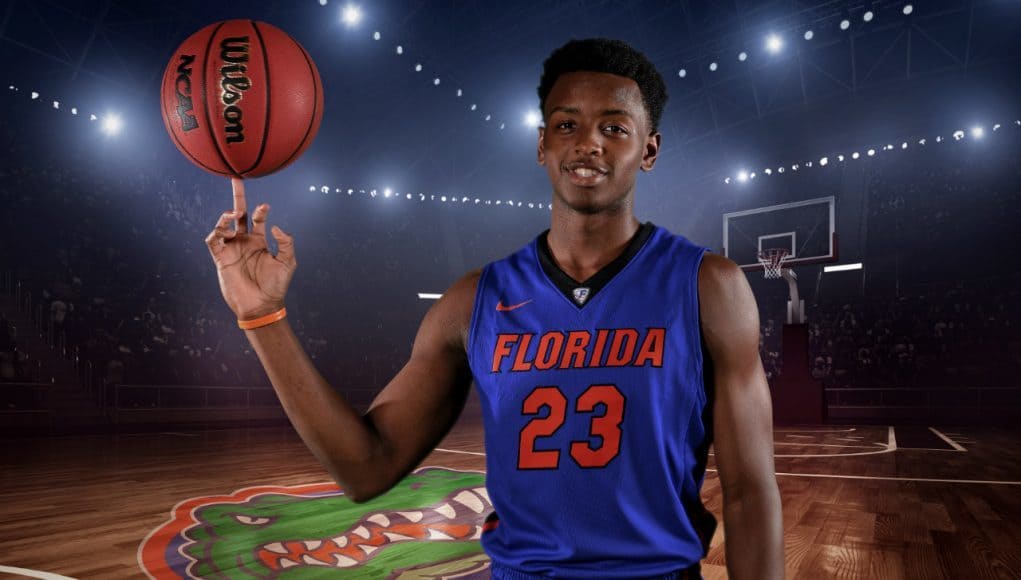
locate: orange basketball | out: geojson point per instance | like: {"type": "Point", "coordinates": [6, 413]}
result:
{"type": "Point", "coordinates": [241, 98]}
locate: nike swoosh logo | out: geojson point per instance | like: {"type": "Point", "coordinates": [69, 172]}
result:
{"type": "Point", "coordinates": [501, 308]}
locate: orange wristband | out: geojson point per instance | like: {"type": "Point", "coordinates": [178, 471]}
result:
{"type": "Point", "coordinates": [263, 320]}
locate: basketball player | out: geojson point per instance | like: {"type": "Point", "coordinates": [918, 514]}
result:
{"type": "Point", "coordinates": [608, 355]}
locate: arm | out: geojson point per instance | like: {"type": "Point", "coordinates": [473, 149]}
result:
{"type": "Point", "coordinates": [367, 455]}
{"type": "Point", "coordinates": [743, 422]}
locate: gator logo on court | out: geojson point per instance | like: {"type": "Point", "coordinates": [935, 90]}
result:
{"type": "Point", "coordinates": [428, 526]}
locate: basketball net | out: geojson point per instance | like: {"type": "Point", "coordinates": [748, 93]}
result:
{"type": "Point", "coordinates": [772, 261]}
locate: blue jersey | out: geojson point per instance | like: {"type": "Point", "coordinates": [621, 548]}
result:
{"type": "Point", "coordinates": [597, 423]}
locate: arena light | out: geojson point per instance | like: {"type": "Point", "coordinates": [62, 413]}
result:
{"type": "Point", "coordinates": [809, 35]}
{"type": "Point", "coordinates": [768, 171]}
{"type": "Point", "coordinates": [387, 192]}
{"type": "Point", "coordinates": [376, 35]}
{"type": "Point", "coordinates": [978, 132]}
{"type": "Point", "coordinates": [872, 152]}
{"type": "Point", "coordinates": [351, 15]}
{"type": "Point", "coordinates": [996, 127]}
{"type": "Point", "coordinates": [312, 188]}
{"type": "Point", "coordinates": [908, 9]}
{"type": "Point", "coordinates": [713, 66]}
{"type": "Point", "coordinates": [958, 135]}
{"type": "Point", "coordinates": [111, 124]}
{"type": "Point", "coordinates": [855, 155]}
{"type": "Point", "coordinates": [904, 145]}
{"type": "Point", "coordinates": [774, 43]}
{"type": "Point", "coordinates": [429, 296]}
{"type": "Point", "coordinates": [35, 95]}
{"type": "Point", "coordinates": [824, 161]}
{"type": "Point", "coordinates": [56, 104]}
{"type": "Point", "coordinates": [436, 82]}
{"type": "Point", "coordinates": [400, 49]}
{"type": "Point", "coordinates": [868, 16]}
{"type": "Point", "coordinates": [845, 24]}
{"type": "Point", "coordinates": [726, 180]}
{"type": "Point", "coordinates": [842, 268]}
{"type": "Point", "coordinates": [682, 73]}
{"type": "Point", "coordinates": [742, 176]}
{"type": "Point", "coordinates": [840, 158]}
{"type": "Point", "coordinates": [742, 56]}
{"type": "Point", "coordinates": [418, 67]}
{"type": "Point", "coordinates": [532, 119]}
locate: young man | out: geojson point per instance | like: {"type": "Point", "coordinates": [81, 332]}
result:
{"type": "Point", "coordinates": [600, 397]}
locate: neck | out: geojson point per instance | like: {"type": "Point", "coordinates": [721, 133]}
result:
{"type": "Point", "coordinates": [582, 244]}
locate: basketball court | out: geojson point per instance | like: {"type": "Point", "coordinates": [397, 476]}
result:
{"type": "Point", "coordinates": [876, 501]}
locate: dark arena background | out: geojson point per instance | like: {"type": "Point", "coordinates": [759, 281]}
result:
{"type": "Point", "coordinates": [873, 144]}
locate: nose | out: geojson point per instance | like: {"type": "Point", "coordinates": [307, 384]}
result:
{"type": "Point", "coordinates": [589, 142]}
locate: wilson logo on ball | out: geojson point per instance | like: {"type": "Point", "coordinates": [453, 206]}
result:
{"type": "Point", "coordinates": [234, 52]}
{"type": "Point", "coordinates": [182, 86]}
{"type": "Point", "coordinates": [241, 98]}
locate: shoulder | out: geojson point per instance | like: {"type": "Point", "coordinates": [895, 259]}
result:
{"type": "Point", "coordinates": [725, 297]}
{"type": "Point", "coordinates": [717, 272]}
{"type": "Point", "coordinates": [453, 311]}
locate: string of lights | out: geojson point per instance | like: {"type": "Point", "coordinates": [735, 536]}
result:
{"type": "Point", "coordinates": [109, 123]}
{"type": "Point", "coordinates": [387, 193]}
{"type": "Point", "coordinates": [977, 132]}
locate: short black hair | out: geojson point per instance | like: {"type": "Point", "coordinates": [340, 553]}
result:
{"type": "Point", "coordinates": [606, 56]}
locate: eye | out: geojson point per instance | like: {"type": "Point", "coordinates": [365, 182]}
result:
{"type": "Point", "coordinates": [616, 129]}
{"type": "Point", "coordinates": [565, 125]}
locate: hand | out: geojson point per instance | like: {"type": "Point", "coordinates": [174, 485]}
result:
{"type": "Point", "coordinates": [253, 281]}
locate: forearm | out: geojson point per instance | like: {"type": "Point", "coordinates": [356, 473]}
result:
{"type": "Point", "coordinates": [342, 439]}
{"type": "Point", "coordinates": [753, 525]}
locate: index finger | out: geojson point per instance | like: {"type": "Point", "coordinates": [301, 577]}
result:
{"type": "Point", "coordinates": [240, 205]}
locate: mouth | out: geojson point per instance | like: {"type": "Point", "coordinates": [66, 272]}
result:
{"type": "Point", "coordinates": [456, 518]}
{"type": "Point", "coordinates": [585, 175]}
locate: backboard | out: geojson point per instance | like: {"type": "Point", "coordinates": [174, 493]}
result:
{"type": "Point", "coordinates": [806, 229]}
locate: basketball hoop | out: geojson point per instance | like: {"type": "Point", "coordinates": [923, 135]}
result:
{"type": "Point", "coordinates": [772, 261]}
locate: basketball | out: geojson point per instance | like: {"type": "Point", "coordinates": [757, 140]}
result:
{"type": "Point", "coordinates": [241, 98]}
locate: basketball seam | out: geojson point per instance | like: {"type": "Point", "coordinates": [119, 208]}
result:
{"type": "Point", "coordinates": [315, 106]}
{"type": "Point", "coordinates": [265, 68]}
{"type": "Point", "coordinates": [205, 95]}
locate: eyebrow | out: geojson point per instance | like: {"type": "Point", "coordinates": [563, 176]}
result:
{"type": "Point", "coordinates": [576, 111]}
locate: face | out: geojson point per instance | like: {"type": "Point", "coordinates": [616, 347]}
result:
{"type": "Point", "coordinates": [597, 136]}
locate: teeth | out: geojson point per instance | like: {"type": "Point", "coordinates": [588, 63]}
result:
{"type": "Point", "coordinates": [397, 537]}
{"type": "Point", "coordinates": [484, 493]}
{"type": "Point", "coordinates": [438, 535]}
{"type": "Point", "coordinates": [362, 532]}
{"type": "Point", "coordinates": [313, 544]}
{"type": "Point", "coordinates": [380, 520]}
{"type": "Point", "coordinates": [411, 516]}
{"type": "Point", "coordinates": [585, 172]}
{"type": "Point", "coordinates": [447, 511]}
{"type": "Point", "coordinates": [341, 541]}
{"type": "Point", "coordinates": [344, 561]}
{"type": "Point", "coordinates": [312, 561]}
{"type": "Point", "coordinates": [247, 520]}
{"type": "Point", "coordinates": [285, 563]}
{"type": "Point", "coordinates": [277, 548]}
{"type": "Point", "coordinates": [470, 500]}
{"type": "Point", "coordinates": [368, 549]}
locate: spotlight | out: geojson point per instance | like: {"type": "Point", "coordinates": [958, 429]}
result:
{"type": "Point", "coordinates": [436, 82]}
{"type": "Point", "coordinates": [908, 9]}
{"type": "Point", "coordinates": [867, 17]}
{"type": "Point", "coordinates": [872, 152]}
{"type": "Point", "coordinates": [488, 117]}
{"type": "Point", "coordinates": [350, 191]}
{"type": "Point", "coordinates": [726, 180]}
{"type": "Point", "coordinates": [751, 175]}
{"type": "Point", "coordinates": [682, 73]}
{"type": "Point", "coordinates": [845, 24]}
{"type": "Point", "coordinates": [56, 104]}
{"type": "Point", "coordinates": [840, 158]}
{"type": "Point", "coordinates": [502, 125]}
{"type": "Point", "coordinates": [713, 66]}
{"type": "Point", "coordinates": [408, 196]}
{"type": "Point", "coordinates": [855, 155]}
{"type": "Point", "coordinates": [74, 111]}
{"type": "Point", "coordinates": [311, 188]}
{"type": "Point", "coordinates": [532, 118]}
{"type": "Point", "coordinates": [904, 145]}
{"type": "Point", "coordinates": [474, 106]}
{"type": "Point", "coordinates": [996, 127]}
{"type": "Point", "coordinates": [325, 189]}
{"type": "Point", "coordinates": [400, 49]}
{"type": "Point", "coordinates": [742, 56]}
{"type": "Point", "coordinates": [322, 2]}
{"type": "Point", "coordinates": [443, 198]}
{"type": "Point", "coordinates": [372, 193]}
{"type": "Point", "coordinates": [795, 167]}
{"type": "Point", "coordinates": [742, 176]}
{"type": "Point", "coordinates": [351, 15]}
{"type": "Point", "coordinates": [111, 124]}
{"type": "Point", "coordinates": [35, 95]}
{"type": "Point", "coordinates": [387, 192]}
{"type": "Point", "coordinates": [808, 164]}
{"type": "Point", "coordinates": [824, 161]}
{"type": "Point", "coordinates": [958, 135]}
{"type": "Point", "coordinates": [977, 132]}
{"type": "Point", "coordinates": [939, 139]}
{"type": "Point", "coordinates": [459, 92]}
{"type": "Point", "coordinates": [779, 170]}
{"type": "Point", "coordinates": [418, 67]}
{"type": "Point", "coordinates": [921, 141]}
{"type": "Point", "coordinates": [376, 35]}
{"type": "Point", "coordinates": [774, 43]}
{"type": "Point", "coordinates": [768, 171]}
{"type": "Point", "coordinates": [809, 35]}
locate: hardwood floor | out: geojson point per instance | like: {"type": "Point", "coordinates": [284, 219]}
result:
{"type": "Point", "coordinates": [856, 503]}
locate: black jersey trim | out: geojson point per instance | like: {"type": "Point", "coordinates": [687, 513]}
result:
{"type": "Point", "coordinates": [597, 281]}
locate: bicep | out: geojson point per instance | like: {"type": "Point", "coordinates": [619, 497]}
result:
{"type": "Point", "coordinates": [420, 405]}
{"type": "Point", "coordinates": [742, 412]}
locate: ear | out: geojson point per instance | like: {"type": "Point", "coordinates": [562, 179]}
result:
{"type": "Point", "coordinates": [540, 154]}
{"type": "Point", "coordinates": [651, 151]}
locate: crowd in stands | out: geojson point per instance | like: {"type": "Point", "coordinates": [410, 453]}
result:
{"type": "Point", "coordinates": [117, 261]}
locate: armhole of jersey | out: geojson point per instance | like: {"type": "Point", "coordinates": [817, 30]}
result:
{"type": "Point", "coordinates": [476, 315]}
{"type": "Point", "coordinates": [696, 340]}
